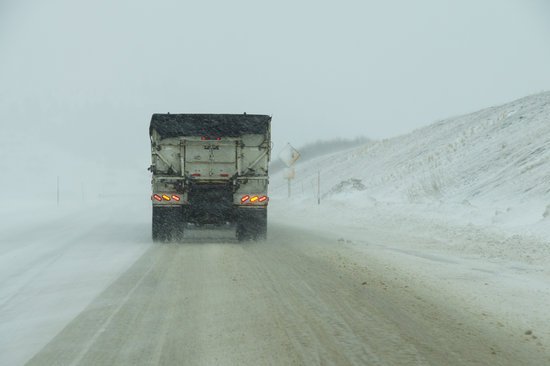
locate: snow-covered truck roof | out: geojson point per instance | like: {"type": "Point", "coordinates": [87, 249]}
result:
{"type": "Point", "coordinates": [219, 125]}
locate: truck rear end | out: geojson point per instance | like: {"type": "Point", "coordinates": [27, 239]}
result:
{"type": "Point", "coordinates": [209, 169]}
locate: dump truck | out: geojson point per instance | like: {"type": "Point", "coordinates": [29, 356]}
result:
{"type": "Point", "coordinates": [209, 170]}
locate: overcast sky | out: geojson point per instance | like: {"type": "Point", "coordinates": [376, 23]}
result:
{"type": "Point", "coordinates": [323, 69]}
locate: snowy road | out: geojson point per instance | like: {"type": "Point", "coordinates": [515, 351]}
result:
{"type": "Point", "coordinates": [298, 298]}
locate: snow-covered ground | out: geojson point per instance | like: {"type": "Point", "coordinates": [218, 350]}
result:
{"type": "Point", "coordinates": [55, 259]}
{"type": "Point", "coordinates": [490, 168]}
{"type": "Point", "coordinates": [449, 223]}
{"type": "Point", "coordinates": [460, 207]}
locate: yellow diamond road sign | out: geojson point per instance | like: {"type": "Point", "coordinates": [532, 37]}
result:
{"type": "Point", "coordinates": [289, 155]}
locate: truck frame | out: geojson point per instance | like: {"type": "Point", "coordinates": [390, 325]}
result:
{"type": "Point", "coordinates": [209, 169]}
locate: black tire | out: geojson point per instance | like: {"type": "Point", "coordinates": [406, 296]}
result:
{"type": "Point", "coordinates": [158, 225]}
{"type": "Point", "coordinates": [168, 223]}
{"type": "Point", "coordinates": [261, 228]}
{"type": "Point", "coordinates": [243, 234]}
{"type": "Point", "coordinates": [179, 224]}
{"type": "Point", "coordinates": [251, 224]}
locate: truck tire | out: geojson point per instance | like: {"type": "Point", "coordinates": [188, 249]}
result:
{"type": "Point", "coordinates": [243, 233]}
{"type": "Point", "coordinates": [168, 223]}
{"type": "Point", "coordinates": [180, 221]}
{"type": "Point", "coordinates": [251, 224]}
{"type": "Point", "coordinates": [261, 227]}
{"type": "Point", "coordinates": [158, 225]}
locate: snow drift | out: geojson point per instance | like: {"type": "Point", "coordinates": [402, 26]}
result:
{"type": "Point", "coordinates": [488, 167]}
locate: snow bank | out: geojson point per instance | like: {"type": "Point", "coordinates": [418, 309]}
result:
{"type": "Point", "coordinates": [458, 210]}
{"type": "Point", "coordinates": [489, 168]}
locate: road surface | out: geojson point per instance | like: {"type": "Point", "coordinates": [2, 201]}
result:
{"type": "Point", "coordinates": [298, 298]}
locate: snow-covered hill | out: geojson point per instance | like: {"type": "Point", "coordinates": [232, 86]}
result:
{"type": "Point", "coordinates": [460, 208]}
{"type": "Point", "coordinates": [487, 167]}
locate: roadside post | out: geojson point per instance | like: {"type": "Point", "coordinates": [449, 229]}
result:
{"type": "Point", "coordinates": [289, 155]}
{"type": "Point", "coordinates": [318, 187]}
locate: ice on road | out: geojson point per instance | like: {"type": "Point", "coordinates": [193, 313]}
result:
{"type": "Point", "coordinates": [298, 298]}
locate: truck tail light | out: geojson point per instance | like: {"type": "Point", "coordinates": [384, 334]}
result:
{"type": "Point", "coordinates": [253, 199]}
{"type": "Point", "coordinates": [196, 174]}
{"type": "Point", "coordinates": [166, 197]}
{"type": "Point", "coordinates": [224, 175]}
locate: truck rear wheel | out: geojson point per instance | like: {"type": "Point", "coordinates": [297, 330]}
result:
{"type": "Point", "coordinates": [261, 229]}
{"type": "Point", "coordinates": [251, 224]}
{"type": "Point", "coordinates": [168, 223]}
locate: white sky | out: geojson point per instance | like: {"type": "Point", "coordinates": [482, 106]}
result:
{"type": "Point", "coordinates": [323, 69]}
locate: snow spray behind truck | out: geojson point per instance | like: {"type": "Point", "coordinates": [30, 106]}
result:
{"type": "Point", "coordinates": [209, 169]}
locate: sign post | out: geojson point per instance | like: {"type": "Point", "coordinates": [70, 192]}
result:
{"type": "Point", "coordinates": [319, 187]}
{"type": "Point", "coordinates": [289, 175]}
{"type": "Point", "coordinates": [289, 156]}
